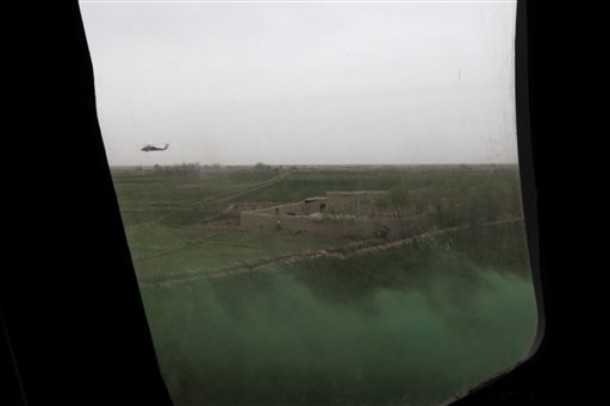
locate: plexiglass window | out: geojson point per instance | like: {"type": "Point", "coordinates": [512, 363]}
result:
{"type": "Point", "coordinates": [321, 198]}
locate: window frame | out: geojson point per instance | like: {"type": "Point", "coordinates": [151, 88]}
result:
{"type": "Point", "coordinates": [114, 356]}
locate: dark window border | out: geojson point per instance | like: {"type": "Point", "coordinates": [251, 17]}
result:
{"type": "Point", "coordinates": [76, 335]}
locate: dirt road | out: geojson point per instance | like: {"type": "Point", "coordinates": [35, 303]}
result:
{"type": "Point", "coordinates": [356, 249]}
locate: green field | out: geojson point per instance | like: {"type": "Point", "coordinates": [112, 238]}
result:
{"type": "Point", "coordinates": [177, 196]}
{"type": "Point", "coordinates": [177, 222]}
{"type": "Point", "coordinates": [403, 324]}
{"type": "Point", "coordinates": [172, 221]}
{"type": "Point", "coordinates": [159, 251]}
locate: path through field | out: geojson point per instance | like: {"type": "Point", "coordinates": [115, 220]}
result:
{"type": "Point", "coordinates": [356, 249]}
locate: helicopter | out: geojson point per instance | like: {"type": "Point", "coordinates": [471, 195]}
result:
{"type": "Point", "coordinates": [151, 147]}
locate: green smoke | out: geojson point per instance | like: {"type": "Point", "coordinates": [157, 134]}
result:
{"type": "Point", "coordinates": [388, 329]}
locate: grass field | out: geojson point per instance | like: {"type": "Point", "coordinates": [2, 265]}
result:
{"type": "Point", "coordinates": [406, 326]}
{"type": "Point", "coordinates": [411, 324]}
{"type": "Point", "coordinates": [174, 217]}
{"type": "Point", "coordinates": [180, 197]}
{"type": "Point", "coordinates": [159, 251]}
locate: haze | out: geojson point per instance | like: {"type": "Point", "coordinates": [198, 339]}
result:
{"type": "Point", "coordinates": [286, 83]}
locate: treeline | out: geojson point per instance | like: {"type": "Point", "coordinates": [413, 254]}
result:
{"type": "Point", "coordinates": [447, 198]}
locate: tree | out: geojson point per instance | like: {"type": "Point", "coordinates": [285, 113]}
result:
{"type": "Point", "coordinates": [398, 201]}
{"type": "Point", "coordinates": [261, 166]}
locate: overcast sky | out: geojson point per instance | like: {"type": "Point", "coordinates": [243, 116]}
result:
{"type": "Point", "coordinates": [305, 83]}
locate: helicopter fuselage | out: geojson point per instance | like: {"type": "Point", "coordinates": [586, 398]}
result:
{"type": "Point", "coordinates": [149, 148]}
